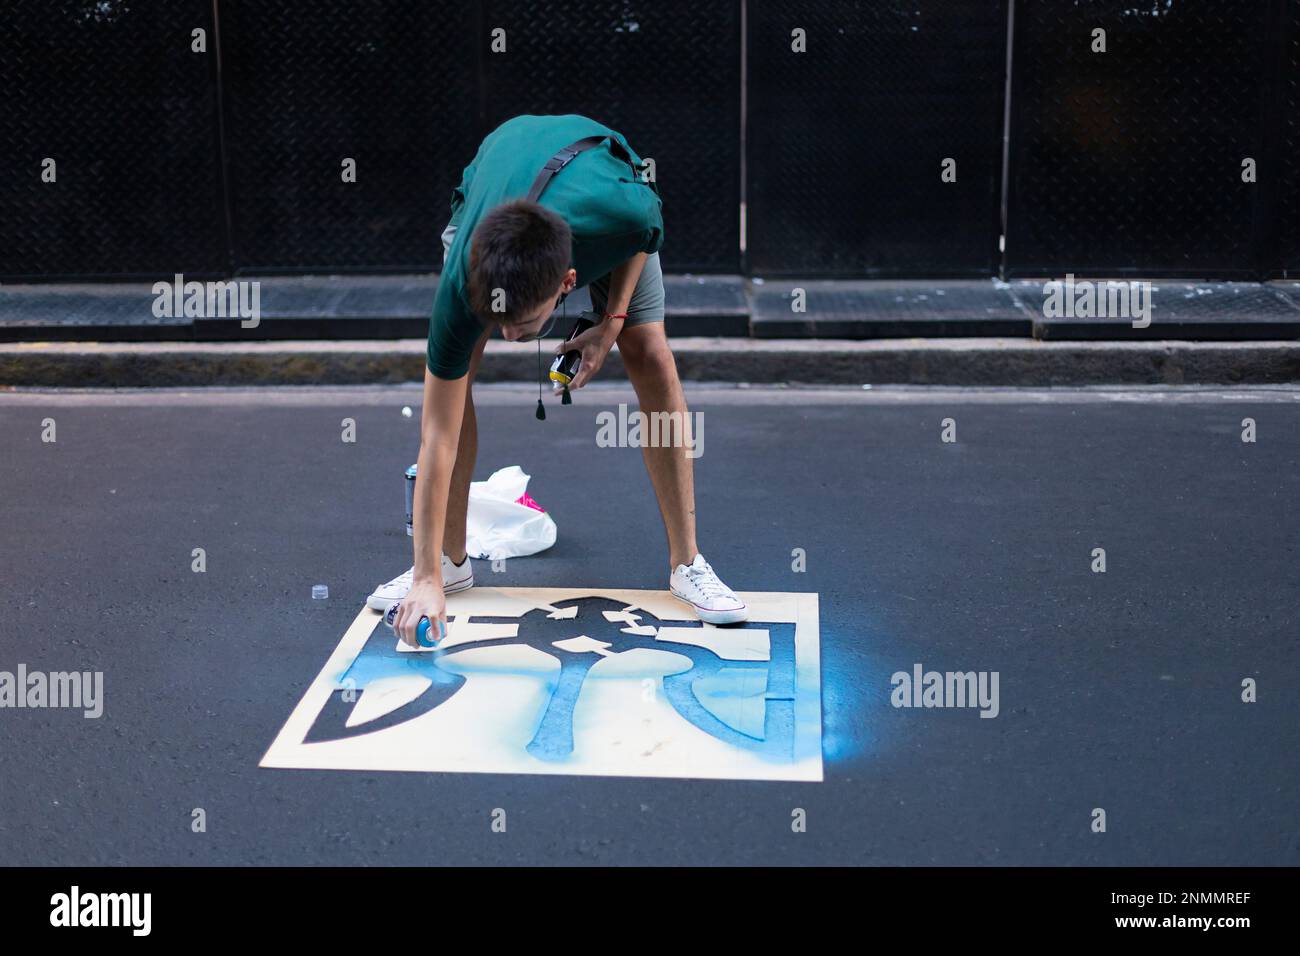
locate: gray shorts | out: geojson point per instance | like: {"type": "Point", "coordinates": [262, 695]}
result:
{"type": "Point", "coordinates": [647, 303]}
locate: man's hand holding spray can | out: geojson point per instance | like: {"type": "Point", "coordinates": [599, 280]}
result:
{"type": "Point", "coordinates": [421, 630]}
{"type": "Point", "coordinates": [565, 367]}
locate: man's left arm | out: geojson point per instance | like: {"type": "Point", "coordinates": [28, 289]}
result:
{"type": "Point", "coordinates": [622, 283]}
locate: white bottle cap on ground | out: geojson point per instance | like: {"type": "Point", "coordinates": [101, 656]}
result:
{"type": "Point", "coordinates": [319, 592]}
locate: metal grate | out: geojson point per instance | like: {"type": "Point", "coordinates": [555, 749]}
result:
{"type": "Point", "coordinates": [111, 91]}
{"type": "Point", "coordinates": [390, 84]}
{"type": "Point", "coordinates": [1126, 163]}
{"type": "Point", "coordinates": [1129, 162]}
{"type": "Point", "coordinates": [1288, 201]}
{"type": "Point", "coordinates": [665, 74]}
{"type": "Point", "coordinates": [846, 140]}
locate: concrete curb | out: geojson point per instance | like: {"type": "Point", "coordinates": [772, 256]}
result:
{"type": "Point", "coordinates": [962, 361]}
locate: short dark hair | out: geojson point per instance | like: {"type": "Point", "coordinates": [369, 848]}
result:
{"type": "Point", "coordinates": [521, 248]}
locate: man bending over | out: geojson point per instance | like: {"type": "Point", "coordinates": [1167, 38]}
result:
{"type": "Point", "coordinates": [507, 263]}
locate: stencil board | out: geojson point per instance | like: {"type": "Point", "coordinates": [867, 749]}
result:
{"type": "Point", "coordinates": [571, 681]}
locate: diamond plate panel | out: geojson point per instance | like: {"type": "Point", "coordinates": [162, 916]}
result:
{"type": "Point", "coordinates": [111, 91]}
{"type": "Point", "coordinates": [1129, 162]}
{"type": "Point", "coordinates": [847, 140]}
{"type": "Point", "coordinates": [665, 74]}
{"type": "Point", "coordinates": [1288, 204]}
{"type": "Point", "coordinates": [387, 83]}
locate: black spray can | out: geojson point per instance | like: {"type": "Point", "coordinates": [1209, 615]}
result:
{"type": "Point", "coordinates": [565, 366]}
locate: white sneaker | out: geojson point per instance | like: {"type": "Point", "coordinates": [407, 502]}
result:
{"type": "Point", "coordinates": [455, 577]}
{"type": "Point", "coordinates": [698, 586]}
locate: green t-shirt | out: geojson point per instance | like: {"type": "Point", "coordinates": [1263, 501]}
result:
{"type": "Point", "coordinates": [611, 212]}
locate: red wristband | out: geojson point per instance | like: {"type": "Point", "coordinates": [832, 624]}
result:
{"type": "Point", "coordinates": [616, 315]}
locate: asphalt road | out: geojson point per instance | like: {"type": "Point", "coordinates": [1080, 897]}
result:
{"type": "Point", "coordinates": [1119, 691]}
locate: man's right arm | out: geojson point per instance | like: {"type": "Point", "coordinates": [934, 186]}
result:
{"type": "Point", "coordinates": [440, 421]}
{"type": "Point", "coordinates": [444, 409]}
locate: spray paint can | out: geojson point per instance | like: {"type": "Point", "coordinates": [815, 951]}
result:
{"type": "Point", "coordinates": [421, 630]}
{"type": "Point", "coordinates": [410, 501]}
{"type": "Point", "coordinates": [565, 366]}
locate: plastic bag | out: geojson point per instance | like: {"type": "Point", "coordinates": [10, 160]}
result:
{"type": "Point", "coordinates": [503, 521]}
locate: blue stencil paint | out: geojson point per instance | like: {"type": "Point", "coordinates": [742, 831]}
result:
{"type": "Point", "coordinates": [748, 704]}
{"type": "Point", "coordinates": [737, 697]}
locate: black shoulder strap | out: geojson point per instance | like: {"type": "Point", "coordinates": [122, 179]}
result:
{"type": "Point", "coordinates": [565, 156]}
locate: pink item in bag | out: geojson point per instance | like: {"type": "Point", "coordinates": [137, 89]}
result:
{"type": "Point", "coordinates": [527, 501]}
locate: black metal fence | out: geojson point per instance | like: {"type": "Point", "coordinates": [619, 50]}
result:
{"type": "Point", "coordinates": [791, 137]}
